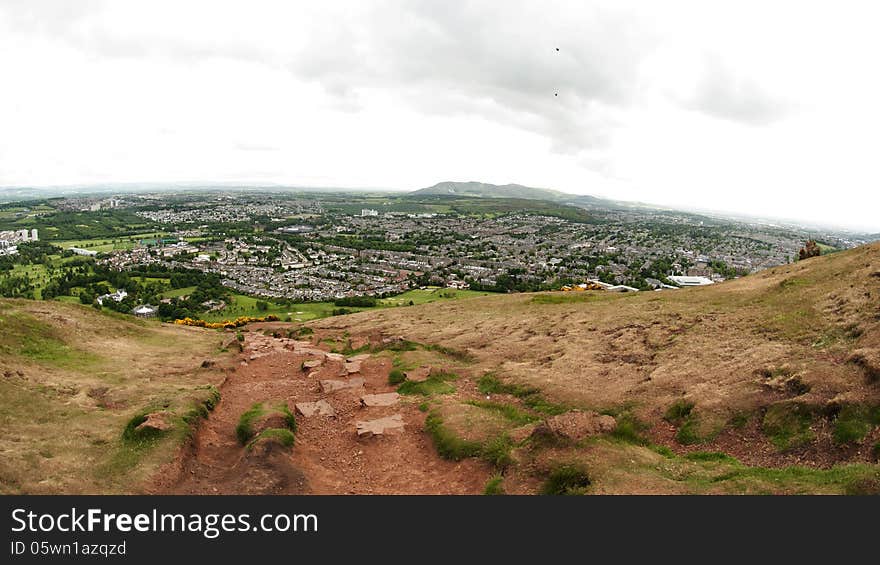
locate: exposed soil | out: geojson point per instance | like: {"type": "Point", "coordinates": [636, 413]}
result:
{"type": "Point", "coordinates": [328, 457]}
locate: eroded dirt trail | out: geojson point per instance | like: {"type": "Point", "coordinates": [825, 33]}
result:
{"type": "Point", "coordinates": [328, 457]}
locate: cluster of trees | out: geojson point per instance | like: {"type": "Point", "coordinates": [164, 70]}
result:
{"type": "Point", "coordinates": [356, 301]}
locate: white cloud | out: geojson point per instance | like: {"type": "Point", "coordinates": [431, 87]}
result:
{"type": "Point", "coordinates": [750, 107]}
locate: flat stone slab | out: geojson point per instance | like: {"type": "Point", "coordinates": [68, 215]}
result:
{"type": "Point", "coordinates": [418, 375]}
{"type": "Point", "coordinates": [383, 426]}
{"type": "Point", "coordinates": [358, 358]}
{"type": "Point", "coordinates": [317, 408]}
{"type": "Point", "coordinates": [335, 357]}
{"type": "Point", "coordinates": [385, 399]}
{"type": "Point", "coordinates": [312, 364]}
{"type": "Point", "coordinates": [353, 367]}
{"type": "Point", "coordinates": [331, 385]}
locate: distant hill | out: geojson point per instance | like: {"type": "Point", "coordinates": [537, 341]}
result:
{"type": "Point", "coordinates": [486, 190]}
{"type": "Point", "coordinates": [473, 189]}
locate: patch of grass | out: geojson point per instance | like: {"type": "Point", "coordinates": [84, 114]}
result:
{"type": "Point", "coordinates": [26, 336]}
{"type": "Point", "coordinates": [396, 376]}
{"type": "Point", "coordinates": [539, 404]}
{"type": "Point", "coordinates": [509, 411]}
{"type": "Point", "coordinates": [787, 425]}
{"type": "Point", "coordinates": [662, 450]}
{"type": "Point", "coordinates": [689, 432]}
{"type": "Point", "coordinates": [282, 435]}
{"type": "Point", "coordinates": [202, 407]}
{"type": "Point", "coordinates": [435, 384]}
{"type": "Point", "coordinates": [244, 431]}
{"type": "Point", "coordinates": [740, 419]}
{"type": "Point", "coordinates": [678, 411]}
{"type": "Point", "coordinates": [564, 297]}
{"type": "Point", "coordinates": [531, 397]}
{"type": "Point", "coordinates": [143, 437]}
{"type": "Point", "coordinates": [630, 429]}
{"type": "Point", "coordinates": [497, 451]}
{"type": "Point", "coordinates": [855, 421]}
{"type": "Point", "coordinates": [397, 345]}
{"type": "Point", "coordinates": [449, 445]}
{"type": "Point", "coordinates": [710, 456]}
{"type": "Point", "coordinates": [490, 384]}
{"type": "Point", "coordinates": [494, 486]}
{"type": "Point", "coordinates": [456, 354]}
{"type": "Point", "coordinates": [424, 407]}
{"type": "Point", "coordinates": [567, 479]}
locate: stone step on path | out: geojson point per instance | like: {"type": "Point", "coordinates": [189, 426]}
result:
{"type": "Point", "coordinates": [388, 425]}
{"type": "Point", "coordinates": [332, 385]}
{"type": "Point", "coordinates": [317, 408]}
{"type": "Point", "coordinates": [384, 399]}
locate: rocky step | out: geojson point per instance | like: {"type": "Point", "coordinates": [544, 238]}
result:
{"type": "Point", "coordinates": [380, 427]}
{"type": "Point", "coordinates": [317, 408]}
{"type": "Point", "coordinates": [384, 399]}
{"type": "Point", "coordinates": [332, 385]}
{"type": "Point", "coordinates": [312, 364]}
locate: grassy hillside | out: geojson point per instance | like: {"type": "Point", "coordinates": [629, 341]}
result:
{"type": "Point", "coordinates": [72, 380]}
{"type": "Point", "coordinates": [771, 382]}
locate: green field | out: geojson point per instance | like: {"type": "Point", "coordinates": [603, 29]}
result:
{"type": "Point", "coordinates": [37, 273]}
{"type": "Point", "coordinates": [429, 294]}
{"type": "Point", "coordinates": [105, 244]}
{"type": "Point", "coordinates": [243, 305]}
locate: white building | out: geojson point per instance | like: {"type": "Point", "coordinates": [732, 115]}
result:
{"type": "Point", "coordinates": [117, 296]}
{"type": "Point", "coordinates": [690, 281]}
{"type": "Point", "coordinates": [369, 212]}
{"type": "Point", "coordinates": [83, 252]}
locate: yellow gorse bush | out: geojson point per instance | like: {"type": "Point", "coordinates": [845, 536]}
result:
{"type": "Point", "coordinates": [226, 324]}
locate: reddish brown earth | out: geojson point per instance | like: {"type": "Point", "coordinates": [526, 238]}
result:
{"type": "Point", "coordinates": [328, 457]}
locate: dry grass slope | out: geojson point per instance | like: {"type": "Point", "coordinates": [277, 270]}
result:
{"type": "Point", "coordinates": [779, 370]}
{"type": "Point", "coordinates": [71, 379]}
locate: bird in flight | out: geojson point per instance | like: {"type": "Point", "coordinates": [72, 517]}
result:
{"type": "Point", "coordinates": [556, 93]}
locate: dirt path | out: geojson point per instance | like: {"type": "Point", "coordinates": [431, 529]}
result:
{"type": "Point", "coordinates": [328, 457]}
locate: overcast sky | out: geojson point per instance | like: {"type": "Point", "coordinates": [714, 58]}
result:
{"type": "Point", "coordinates": [770, 108]}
